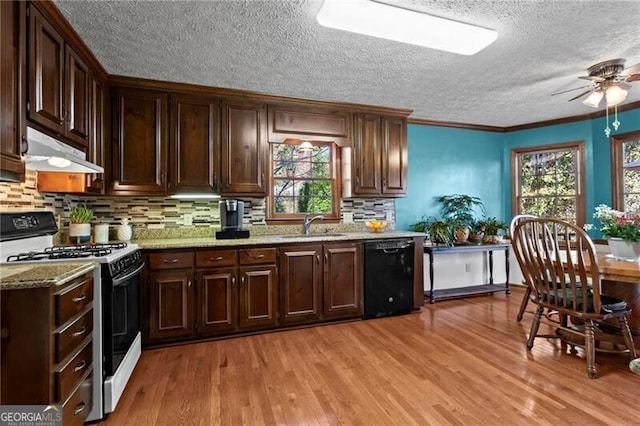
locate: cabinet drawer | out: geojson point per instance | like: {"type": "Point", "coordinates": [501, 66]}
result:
{"type": "Point", "coordinates": [170, 260]}
{"type": "Point", "coordinates": [67, 376]}
{"type": "Point", "coordinates": [256, 256]}
{"type": "Point", "coordinates": [71, 334]}
{"type": "Point", "coordinates": [73, 298]}
{"type": "Point", "coordinates": [215, 258]}
{"type": "Point", "coordinates": [76, 409]}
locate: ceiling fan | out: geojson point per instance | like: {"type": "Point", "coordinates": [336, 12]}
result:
{"type": "Point", "coordinates": [610, 83]}
{"type": "Point", "coordinates": [607, 75]}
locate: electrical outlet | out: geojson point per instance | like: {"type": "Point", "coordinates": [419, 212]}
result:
{"type": "Point", "coordinates": [188, 219]}
{"type": "Point", "coordinates": [347, 217]}
{"type": "Point", "coordinates": [389, 216]}
{"type": "Point", "coordinates": [467, 267]}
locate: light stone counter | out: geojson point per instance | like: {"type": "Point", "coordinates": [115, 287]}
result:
{"type": "Point", "coordinates": [43, 274]}
{"type": "Point", "coordinates": [261, 240]}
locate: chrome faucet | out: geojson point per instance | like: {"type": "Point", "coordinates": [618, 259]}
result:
{"type": "Point", "coordinates": [306, 225]}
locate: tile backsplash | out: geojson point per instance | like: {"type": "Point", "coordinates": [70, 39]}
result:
{"type": "Point", "coordinates": [161, 212]}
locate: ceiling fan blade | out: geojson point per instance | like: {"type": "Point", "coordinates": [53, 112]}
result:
{"type": "Point", "coordinates": [593, 78]}
{"type": "Point", "coordinates": [580, 95]}
{"type": "Point", "coordinates": [569, 90]}
{"type": "Point", "coordinates": [623, 85]}
{"type": "Point", "coordinates": [634, 77]}
{"type": "Point", "coordinates": [633, 69]}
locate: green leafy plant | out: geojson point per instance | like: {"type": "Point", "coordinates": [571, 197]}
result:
{"type": "Point", "coordinates": [459, 208]}
{"type": "Point", "coordinates": [493, 226]}
{"type": "Point", "coordinates": [81, 214]}
{"type": "Point", "coordinates": [438, 230]}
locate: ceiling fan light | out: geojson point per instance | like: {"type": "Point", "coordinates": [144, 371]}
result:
{"type": "Point", "coordinates": [615, 95]}
{"type": "Point", "coordinates": [594, 99]}
{"type": "Point", "coordinates": [407, 26]}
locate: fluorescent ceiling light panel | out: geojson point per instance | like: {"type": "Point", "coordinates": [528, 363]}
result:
{"type": "Point", "coordinates": [404, 25]}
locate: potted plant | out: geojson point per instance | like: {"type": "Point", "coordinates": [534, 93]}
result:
{"type": "Point", "coordinates": [492, 230]}
{"type": "Point", "coordinates": [80, 226]}
{"type": "Point", "coordinates": [459, 210]}
{"type": "Point", "coordinates": [477, 229]}
{"type": "Point", "coordinates": [438, 230]}
{"type": "Point", "coordinates": [622, 230]}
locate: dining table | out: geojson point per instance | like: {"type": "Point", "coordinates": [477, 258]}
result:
{"type": "Point", "coordinates": [621, 279]}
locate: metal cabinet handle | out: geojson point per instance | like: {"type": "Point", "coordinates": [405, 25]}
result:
{"type": "Point", "coordinates": [189, 284]}
{"type": "Point", "coordinates": [216, 259]}
{"type": "Point", "coordinates": [215, 180]}
{"type": "Point", "coordinates": [318, 258]}
{"type": "Point", "coordinates": [161, 176]}
{"type": "Point", "coordinates": [25, 146]}
{"type": "Point", "coordinates": [79, 298]}
{"type": "Point", "coordinates": [255, 256]}
{"type": "Point", "coordinates": [80, 366]}
{"type": "Point", "coordinates": [233, 282]}
{"type": "Point", "coordinates": [326, 258]}
{"type": "Point", "coordinates": [79, 408]}
{"type": "Point", "coordinates": [80, 332]}
{"type": "Point", "coordinates": [170, 261]}
{"type": "Point", "coordinates": [241, 281]}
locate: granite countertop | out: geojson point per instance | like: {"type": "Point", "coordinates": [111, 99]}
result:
{"type": "Point", "coordinates": [34, 275]}
{"type": "Point", "coordinates": [260, 240]}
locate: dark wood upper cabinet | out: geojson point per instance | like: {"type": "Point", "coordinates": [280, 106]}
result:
{"type": "Point", "coordinates": [367, 147]}
{"type": "Point", "coordinates": [59, 83]}
{"type": "Point", "coordinates": [96, 148]}
{"type": "Point", "coordinates": [139, 141]}
{"type": "Point", "coordinates": [315, 123]}
{"type": "Point", "coordinates": [379, 156]}
{"type": "Point", "coordinates": [244, 148]}
{"type": "Point", "coordinates": [77, 90]}
{"type": "Point", "coordinates": [11, 166]}
{"type": "Point", "coordinates": [395, 157]}
{"type": "Point", "coordinates": [195, 144]}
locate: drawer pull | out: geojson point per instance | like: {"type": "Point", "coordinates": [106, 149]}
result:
{"type": "Point", "coordinates": [79, 298]}
{"type": "Point", "coordinates": [172, 261]}
{"type": "Point", "coordinates": [80, 366]}
{"type": "Point", "coordinates": [80, 332]}
{"type": "Point", "coordinates": [256, 256]}
{"type": "Point", "coordinates": [216, 259]}
{"type": "Point", "coordinates": [79, 408]}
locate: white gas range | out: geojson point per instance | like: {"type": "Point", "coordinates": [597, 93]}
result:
{"type": "Point", "coordinates": [27, 237]}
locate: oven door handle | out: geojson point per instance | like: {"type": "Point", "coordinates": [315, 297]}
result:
{"type": "Point", "coordinates": [121, 280]}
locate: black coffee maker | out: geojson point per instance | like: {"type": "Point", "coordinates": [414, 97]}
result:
{"type": "Point", "coordinates": [231, 213]}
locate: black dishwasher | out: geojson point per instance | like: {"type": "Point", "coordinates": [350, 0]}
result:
{"type": "Point", "coordinates": [388, 277]}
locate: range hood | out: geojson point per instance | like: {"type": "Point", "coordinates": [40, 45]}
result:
{"type": "Point", "coordinates": [47, 154]}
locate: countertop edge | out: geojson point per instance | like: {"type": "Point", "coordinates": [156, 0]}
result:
{"type": "Point", "coordinates": [44, 274]}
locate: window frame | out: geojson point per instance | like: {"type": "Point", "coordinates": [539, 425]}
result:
{"type": "Point", "coordinates": [617, 179]}
{"type": "Point", "coordinates": [578, 147]}
{"type": "Point", "coordinates": [335, 161]}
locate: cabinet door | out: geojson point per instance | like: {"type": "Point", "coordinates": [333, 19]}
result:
{"type": "Point", "coordinates": [216, 301]}
{"type": "Point", "coordinates": [77, 89]}
{"type": "Point", "coordinates": [394, 156]}
{"type": "Point", "coordinates": [258, 299]}
{"type": "Point", "coordinates": [171, 305]}
{"type": "Point", "coordinates": [244, 149]}
{"type": "Point", "coordinates": [195, 144]}
{"type": "Point", "coordinates": [366, 156]}
{"type": "Point", "coordinates": [139, 141]}
{"type": "Point", "coordinates": [300, 284]}
{"type": "Point", "coordinates": [342, 280]}
{"type": "Point", "coordinates": [11, 167]}
{"type": "Point", "coordinates": [95, 150]}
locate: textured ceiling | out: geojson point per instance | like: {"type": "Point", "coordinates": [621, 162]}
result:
{"type": "Point", "coordinates": [277, 47]}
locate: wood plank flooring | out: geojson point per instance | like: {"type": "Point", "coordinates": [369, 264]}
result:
{"type": "Point", "coordinates": [458, 362]}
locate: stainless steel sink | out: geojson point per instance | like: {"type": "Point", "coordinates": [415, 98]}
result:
{"type": "Point", "coordinates": [312, 235]}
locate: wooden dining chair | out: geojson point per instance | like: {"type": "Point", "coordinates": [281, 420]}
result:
{"type": "Point", "coordinates": [527, 291]}
{"type": "Point", "coordinates": [559, 264]}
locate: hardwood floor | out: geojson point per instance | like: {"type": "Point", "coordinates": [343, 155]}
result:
{"type": "Point", "coordinates": [460, 362]}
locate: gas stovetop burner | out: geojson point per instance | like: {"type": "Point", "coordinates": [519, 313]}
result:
{"type": "Point", "coordinates": [68, 252]}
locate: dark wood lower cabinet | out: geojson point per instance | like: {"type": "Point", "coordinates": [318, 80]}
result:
{"type": "Point", "coordinates": [171, 305]}
{"type": "Point", "coordinates": [216, 301]}
{"type": "Point", "coordinates": [342, 283]}
{"type": "Point", "coordinates": [215, 292]}
{"type": "Point", "coordinates": [301, 284]}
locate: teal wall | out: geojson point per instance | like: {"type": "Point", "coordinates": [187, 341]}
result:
{"type": "Point", "coordinates": [458, 161]}
{"type": "Point", "coordinates": [445, 161]}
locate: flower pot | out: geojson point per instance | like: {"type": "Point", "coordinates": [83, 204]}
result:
{"type": "Point", "coordinates": [623, 249]}
{"type": "Point", "coordinates": [79, 233]}
{"type": "Point", "coordinates": [492, 239]}
{"type": "Point", "coordinates": [461, 235]}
